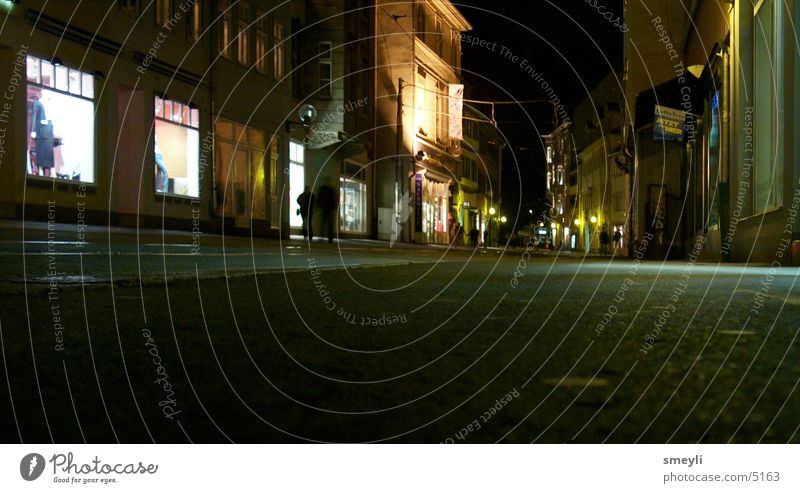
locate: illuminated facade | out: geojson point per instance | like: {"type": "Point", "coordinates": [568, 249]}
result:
{"type": "Point", "coordinates": [725, 189]}
{"type": "Point", "coordinates": [601, 183]}
{"type": "Point", "coordinates": [149, 118]}
{"type": "Point", "coordinates": [418, 135]}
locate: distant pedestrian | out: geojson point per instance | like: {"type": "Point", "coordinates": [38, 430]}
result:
{"type": "Point", "coordinates": [473, 237]}
{"type": "Point", "coordinates": [617, 238]}
{"type": "Point", "coordinates": [306, 210]}
{"type": "Point", "coordinates": [328, 201]}
{"type": "Point", "coordinates": [604, 240]}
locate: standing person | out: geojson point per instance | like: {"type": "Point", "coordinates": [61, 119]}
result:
{"type": "Point", "coordinates": [604, 240]}
{"type": "Point", "coordinates": [473, 237]}
{"type": "Point", "coordinates": [328, 201]}
{"type": "Point", "coordinates": [306, 202]}
{"type": "Point", "coordinates": [617, 238]}
{"type": "Point", "coordinates": [162, 175]}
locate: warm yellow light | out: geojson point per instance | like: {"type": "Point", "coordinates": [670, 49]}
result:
{"type": "Point", "coordinates": [577, 222]}
{"type": "Point", "coordinates": [492, 211]}
{"type": "Point", "coordinates": [594, 219]}
{"type": "Point", "coordinates": [503, 219]}
{"type": "Point", "coordinates": [553, 225]}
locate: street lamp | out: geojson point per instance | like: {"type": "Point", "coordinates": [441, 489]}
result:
{"type": "Point", "coordinates": [577, 222]}
{"type": "Point", "coordinates": [492, 212]}
{"type": "Point", "coordinates": [593, 219]}
{"type": "Point", "coordinates": [504, 219]}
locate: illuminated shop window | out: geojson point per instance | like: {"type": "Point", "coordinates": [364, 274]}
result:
{"type": "Point", "coordinates": [176, 148]}
{"type": "Point", "coordinates": [353, 199]}
{"type": "Point", "coordinates": [60, 121]}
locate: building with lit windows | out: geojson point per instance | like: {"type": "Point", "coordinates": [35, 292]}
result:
{"type": "Point", "coordinates": [477, 187]}
{"type": "Point", "coordinates": [601, 182]}
{"type": "Point", "coordinates": [337, 79]}
{"type": "Point", "coordinates": [724, 182]}
{"type": "Point", "coordinates": [559, 159]}
{"type": "Point", "coordinates": [419, 98]}
{"type": "Point", "coordinates": [150, 114]}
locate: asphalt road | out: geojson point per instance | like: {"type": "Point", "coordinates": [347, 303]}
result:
{"type": "Point", "coordinates": [272, 342]}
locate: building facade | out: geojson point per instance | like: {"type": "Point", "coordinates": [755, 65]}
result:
{"type": "Point", "coordinates": [726, 72]}
{"type": "Point", "coordinates": [418, 94]}
{"type": "Point", "coordinates": [602, 183]}
{"type": "Point", "coordinates": [165, 114]}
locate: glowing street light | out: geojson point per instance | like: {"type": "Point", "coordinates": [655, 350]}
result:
{"type": "Point", "coordinates": [492, 211]}
{"type": "Point", "coordinates": [594, 219]}
{"type": "Point", "coordinates": [577, 222]}
{"type": "Point", "coordinates": [504, 219]}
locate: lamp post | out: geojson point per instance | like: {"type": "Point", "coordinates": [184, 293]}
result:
{"type": "Point", "coordinates": [492, 212]}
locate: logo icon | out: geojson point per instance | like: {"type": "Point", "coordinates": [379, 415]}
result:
{"type": "Point", "coordinates": [31, 467]}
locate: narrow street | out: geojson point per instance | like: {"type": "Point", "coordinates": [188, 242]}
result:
{"type": "Point", "coordinates": [357, 341]}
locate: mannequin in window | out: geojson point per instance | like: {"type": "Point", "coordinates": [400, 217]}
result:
{"type": "Point", "coordinates": [162, 175]}
{"type": "Point", "coordinates": [42, 135]}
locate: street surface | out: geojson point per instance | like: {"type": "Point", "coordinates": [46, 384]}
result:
{"type": "Point", "coordinates": [148, 338]}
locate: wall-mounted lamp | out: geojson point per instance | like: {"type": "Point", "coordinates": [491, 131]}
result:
{"type": "Point", "coordinates": [56, 61]}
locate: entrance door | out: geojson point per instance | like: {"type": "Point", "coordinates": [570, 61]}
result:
{"type": "Point", "coordinates": [297, 181]}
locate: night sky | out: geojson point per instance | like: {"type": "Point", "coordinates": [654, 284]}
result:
{"type": "Point", "coordinates": [569, 43]}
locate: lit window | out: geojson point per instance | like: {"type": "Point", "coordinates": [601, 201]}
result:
{"type": "Point", "coordinates": [196, 20]}
{"type": "Point", "coordinates": [176, 148]}
{"type": "Point", "coordinates": [277, 40]}
{"type": "Point", "coordinates": [261, 42]}
{"type": "Point", "coordinates": [60, 117]}
{"type": "Point", "coordinates": [226, 28]}
{"type": "Point", "coordinates": [163, 12]}
{"type": "Point", "coordinates": [243, 54]}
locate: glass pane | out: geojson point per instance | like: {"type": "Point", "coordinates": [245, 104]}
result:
{"type": "Point", "coordinates": [62, 80]}
{"type": "Point", "coordinates": [258, 197]}
{"type": "Point", "coordinates": [159, 107]}
{"type": "Point", "coordinates": [47, 74]}
{"type": "Point", "coordinates": [167, 109]}
{"type": "Point", "coordinates": [185, 118]}
{"type": "Point", "coordinates": [74, 81]}
{"type": "Point", "coordinates": [88, 86]}
{"type": "Point", "coordinates": [256, 137]}
{"type": "Point", "coordinates": [195, 117]}
{"type": "Point", "coordinates": [224, 129]}
{"type": "Point", "coordinates": [177, 112]}
{"type": "Point", "coordinates": [33, 70]}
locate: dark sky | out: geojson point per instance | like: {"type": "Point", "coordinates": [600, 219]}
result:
{"type": "Point", "coordinates": [568, 42]}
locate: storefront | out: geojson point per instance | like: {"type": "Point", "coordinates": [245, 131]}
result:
{"type": "Point", "coordinates": [352, 198]}
{"type": "Point", "coordinates": [60, 122]}
{"type": "Point", "coordinates": [432, 207]}
{"type": "Point", "coordinates": [247, 172]}
{"type": "Point", "coordinates": [176, 148]}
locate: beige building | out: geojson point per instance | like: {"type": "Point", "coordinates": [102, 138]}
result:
{"type": "Point", "coordinates": [602, 184]}
{"type": "Point", "coordinates": [417, 91]}
{"type": "Point", "coordinates": [153, 114]}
